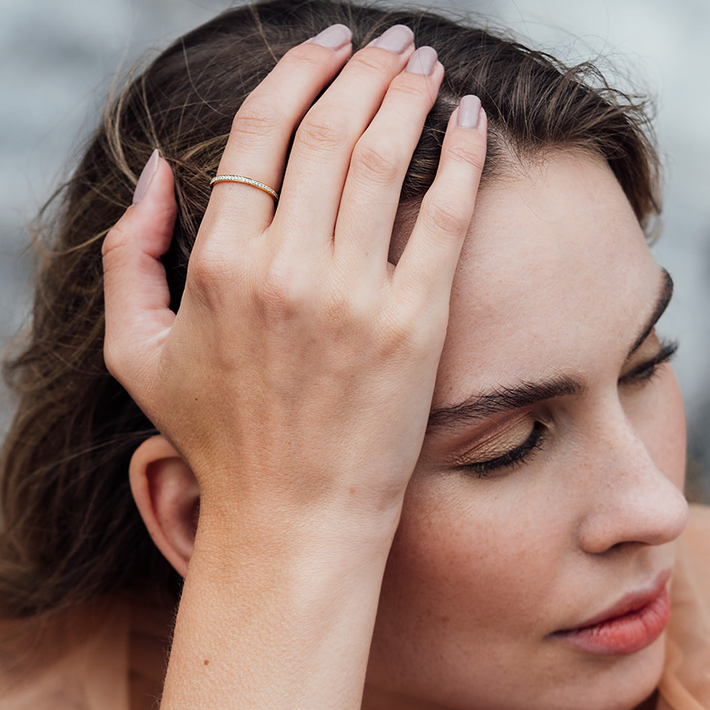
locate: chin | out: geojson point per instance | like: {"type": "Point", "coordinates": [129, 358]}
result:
{"type": "Point", "coordinates": [586, 682]}
{"type": "Point", "coordinates": [612, 683]}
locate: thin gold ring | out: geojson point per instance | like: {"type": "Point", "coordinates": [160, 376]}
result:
{"type": "Point", "coordinates": [245, 181]}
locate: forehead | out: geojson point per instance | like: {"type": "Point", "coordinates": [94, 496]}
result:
{"type": "Point", "coordinates": [555, 277]}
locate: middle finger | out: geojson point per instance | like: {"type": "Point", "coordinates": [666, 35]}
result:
{"type": "Point", "coordinates": [320, 157]}
{"type": "Point", "coordinates": [379, 164]}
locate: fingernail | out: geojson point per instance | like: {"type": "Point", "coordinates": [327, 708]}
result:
{"type": "Point", "coordinates": [469, 112]}
{"type": "Point", "coordinates": [396, 39]}
{"type": "Point", "coordinates": [422, 61]}
{"type": "Point", "coordinates": [333, 37]}
{"type": "Point", "coordinates": [146, 176]}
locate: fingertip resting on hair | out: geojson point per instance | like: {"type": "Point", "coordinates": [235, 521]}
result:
{"type": "Point", "coordinates": [146, 177]}
{"type": "Point", "coordinates": [469, 112]}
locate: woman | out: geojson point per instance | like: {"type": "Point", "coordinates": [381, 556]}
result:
{"type": "Point", "coordinates": [369, 334]}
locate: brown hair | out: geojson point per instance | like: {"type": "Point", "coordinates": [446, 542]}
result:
{"type": "Point", "coordinates": [71, 529]}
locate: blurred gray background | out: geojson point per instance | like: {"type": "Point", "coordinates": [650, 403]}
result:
{"type": "Point", "coordinates": [58, 59]}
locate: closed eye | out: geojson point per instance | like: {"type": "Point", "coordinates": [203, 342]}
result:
{"type": "Point", "coordinates": [645, 371]}
{"type": "Point", "coordinates": [637, 376]}
{"type": "Point", "coordinates": [510, 459]}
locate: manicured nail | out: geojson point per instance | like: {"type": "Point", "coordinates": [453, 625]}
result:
{"type": "Point", "coordinates": [422, 61]}
{"type": "Point", "coordinates": [146, 176]}
{"type": "Point", "coordinates": [396, 39]}
{"type": "Point", "coordinates": [469, 112]}
{"type": "Point", "coordinates": [333, 37]}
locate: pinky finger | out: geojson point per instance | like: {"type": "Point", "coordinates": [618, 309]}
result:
{"type": "Point", "coordinates": [427, 266]}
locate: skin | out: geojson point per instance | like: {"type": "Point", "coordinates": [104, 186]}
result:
{"type": "Point", "coordinates": [293, 388]}
{"type": "Point", "coordinates": [293, 322]}
{"type": "Point", "coordinates": [482, 570]}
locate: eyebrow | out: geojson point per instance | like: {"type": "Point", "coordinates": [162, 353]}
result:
{"type": "Point", "coordinates": [664, 299]}
{"type": "Point", "coordinates": [509, 398]}
{"type": "Point", "coordinates": [503, 399]}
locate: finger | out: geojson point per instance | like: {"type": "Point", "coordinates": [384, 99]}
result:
{"type": "Point", "coordinates": [137, 298]}
{"type": "Point", "coordinates": [426, 269]}
{"type": "Point", "coordinates": [264, 126]}
{"type": "Point", "coordinates": [379, 164]}
{"type": "Point", "coordinates": [324, 142]}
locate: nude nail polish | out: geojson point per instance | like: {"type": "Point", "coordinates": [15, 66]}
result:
{"type": "Point", "coordinates": [396, 39]}
{"type": "Point", "coordinates": [334, 37]}
{"type": "Point", "coordinates": [146, 176]}
{"type": "Point", "coordinates": [422, 61]}
{"type": "Point", "coordinates": [469, 112]}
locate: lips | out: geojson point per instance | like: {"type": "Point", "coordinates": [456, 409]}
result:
{"type": "Point", "coordinates": [633, 623]}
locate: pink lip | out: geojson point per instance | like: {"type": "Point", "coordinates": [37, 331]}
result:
{"type": "Point", "coordinates": [628, 626]}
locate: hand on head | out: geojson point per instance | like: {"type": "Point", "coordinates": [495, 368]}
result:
{"type": "Point", "coordinates": [301, 363]}
{"type": "Point", "coordinates": [283, 328]}
{"type": "Point", "coordinates": [297, 376]}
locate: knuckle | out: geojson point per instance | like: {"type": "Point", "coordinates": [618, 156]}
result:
{"type": "Point", "coordinates": [279, 296]}
{"type": "Point", "coordinates": [404, 335]}
{"type": "Point", "coordinates": [446, 218]}
{"type": "Point", "coordinates": [307, 54]}
{"type": "Point", "coordinates": [346, 319]}
{"type": "Point", "coordinates": [323, 132]}
{"type": "Point", "coordinates": [338, 310]}
{"type": "Point", "coordinates": [468, 153]}
{"type": "Point", "coordinates": [378, 164]}
{"type": "Point", "coordinates": [409, 86]}
{"type": "Point", "coordinates": [257, 119]}
{"type": "Point", "coordinates": [206, 275]}
{"type": "Point", "coordinates": [115, 240]}
{"type": "Point", "coordinates": [419, 328]}
{"type": "Point", "coordinates": [356, 306]}
{"type": "Point", "coordinates": [368, 63]}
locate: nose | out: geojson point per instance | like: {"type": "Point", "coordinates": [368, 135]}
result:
{"type": "Point", "coordinates": [637, 503]}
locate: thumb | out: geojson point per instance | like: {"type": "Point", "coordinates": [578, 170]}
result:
{"type": "Point", "coordinates": [137, 298]}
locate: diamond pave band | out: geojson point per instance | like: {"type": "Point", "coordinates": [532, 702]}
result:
{"type": "Point", "coordinates": [246, 181]}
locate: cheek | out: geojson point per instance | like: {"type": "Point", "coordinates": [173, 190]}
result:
{"type": "Point", "coordinates": [469, 579]}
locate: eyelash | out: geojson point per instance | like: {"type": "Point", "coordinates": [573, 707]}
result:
{"type": "Point", "coordinates": [516, 457]}
{"type": "Point", "coordinates": [648, 370]}
{"type": "Point", "coordinates": [519, 456]}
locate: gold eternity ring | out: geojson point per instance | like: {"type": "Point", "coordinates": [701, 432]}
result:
{"type": "Point", "coordinates": [246, 181]}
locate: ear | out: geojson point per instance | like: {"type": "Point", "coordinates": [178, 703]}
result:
{"type": "Point", "coordinates": [168, 499]}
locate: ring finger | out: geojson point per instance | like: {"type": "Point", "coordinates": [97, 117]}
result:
{"type": "Point", "coordinates": [263, 127]}
{"type": "Point", "coordinates": [324, 142]}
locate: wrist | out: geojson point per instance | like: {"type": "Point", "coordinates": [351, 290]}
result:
{"type": "Point", "coordinates": [275, 608]}
{"type": "Point", "coordinates": [288, 536]}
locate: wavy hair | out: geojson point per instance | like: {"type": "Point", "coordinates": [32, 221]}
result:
{"type": "Point", "coordinates": [70, 528]}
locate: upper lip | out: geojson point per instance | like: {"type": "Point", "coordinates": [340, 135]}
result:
{"type": "Point", "coordinates": [629, 602]}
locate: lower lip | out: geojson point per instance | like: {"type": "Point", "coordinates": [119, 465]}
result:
{"type": "Point", "coordinates": [624, 634]}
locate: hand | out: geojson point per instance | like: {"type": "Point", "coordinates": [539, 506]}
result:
{"type": "Point", "coordinates": [301, 364]}
{"type": "Point", "coordinates": [296, 378]}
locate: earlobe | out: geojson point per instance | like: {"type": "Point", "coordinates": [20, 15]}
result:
{"type": "Point", "coordinates": [168, 498]}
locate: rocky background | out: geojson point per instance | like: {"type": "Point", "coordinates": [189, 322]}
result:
{"type": "Point", "coordinates": [58, 60]}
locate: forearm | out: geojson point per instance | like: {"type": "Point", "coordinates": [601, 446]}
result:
{"type": "Point", "coordinates": [276, 616]}
{"type": "Point", "coordinates": [300, 354]}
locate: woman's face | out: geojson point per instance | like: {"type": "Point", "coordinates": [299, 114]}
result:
{"type": "Point", "coordinates": [554, 493]}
